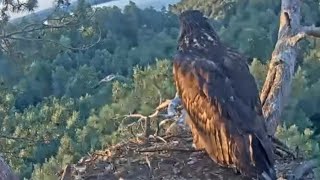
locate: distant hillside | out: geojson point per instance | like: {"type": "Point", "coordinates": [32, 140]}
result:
{"type": "Point", "coordinates": [101, 3]}
{"type": "Point", "coordinates": [46, 12]}
{"type": "Point", "coordinates": [156, 4]}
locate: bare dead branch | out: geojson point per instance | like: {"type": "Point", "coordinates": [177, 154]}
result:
{"type": "Point", "coordinates": [147, 118]}
{"type": "Point", "coordinates": [295, 39]}
{"type": "Point", "coordinates": [159, 138]}
{"type": "Point", "coordinates": [135, 116]}
{"type": "Point", "coordinates": [276, 89]}
{"type": "Point", "coordinates": [305, 31]}
{"type": "Point", "coordinates": [311, 31]}
{"type": "Point", "coordinates": [163, 105]}
{"type": "Point", "coordinates": [150, 167]}
{"type": "Point", "coordinates": [134, 123]}
{"type": "Point", "coordinates": [277, 86]}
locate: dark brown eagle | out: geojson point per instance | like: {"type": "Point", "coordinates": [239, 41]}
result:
{"type": "Point", "coordinates": [221, 98]}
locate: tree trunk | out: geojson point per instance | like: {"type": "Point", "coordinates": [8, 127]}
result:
{"type": "Point", "coordinates": [277, 86]}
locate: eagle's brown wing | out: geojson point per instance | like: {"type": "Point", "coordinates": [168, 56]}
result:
{"type": "Point", "coordinates": [224, 111]}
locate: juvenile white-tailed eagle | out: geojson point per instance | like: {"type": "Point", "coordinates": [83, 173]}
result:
{"type": "Point", "coordinates": [221, 99]}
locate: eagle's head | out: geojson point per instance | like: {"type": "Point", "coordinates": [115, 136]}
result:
{"type": "Point", "coordinates": [196, 32]}
{"type": "Point", "coordinates": [193, 18]}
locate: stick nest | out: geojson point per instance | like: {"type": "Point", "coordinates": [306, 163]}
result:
{"type": "Point", "coordinates": [169, 157]}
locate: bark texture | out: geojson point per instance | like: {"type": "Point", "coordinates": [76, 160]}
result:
{"type": "Point", "coordinates": [277, 86]}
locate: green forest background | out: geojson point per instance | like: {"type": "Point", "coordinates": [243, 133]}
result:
{"type": "Point", "coordinates": [50, 114]}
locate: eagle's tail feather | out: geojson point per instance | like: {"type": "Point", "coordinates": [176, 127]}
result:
{"type": "Point", "coordinates": [246, 152]}
{"type": "Point", "coordinates": [197, 140]}
{"type": "Point", "coordinates": [252, 158]}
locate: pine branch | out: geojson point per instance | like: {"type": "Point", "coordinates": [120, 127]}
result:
{"type": "Point", "coordinates": [19, 35]}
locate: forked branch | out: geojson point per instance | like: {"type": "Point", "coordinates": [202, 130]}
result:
{"type": "Point", "coordinates": [305, 31]}
{"type": "Point", "coordinates": [147, 119]}
{"type": "Point", "coordinates": [277, 86]}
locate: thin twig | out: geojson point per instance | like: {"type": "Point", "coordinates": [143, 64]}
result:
{"type": "Point", "coordinates": [147, 119]}
{"type": "Point", "coordinates": [131, 131]}
{"type": "Point", "coordinates": [156, 149]}
{"type": "Point", "coordinates": [160, 138]}
{"type": "Point", "coordinates": [150, 167]}
{"type": "Point", "coordinates": [163, 105]}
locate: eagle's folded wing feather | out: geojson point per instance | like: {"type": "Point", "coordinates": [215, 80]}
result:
{"type": "Point", "coordinates": [225, 119]}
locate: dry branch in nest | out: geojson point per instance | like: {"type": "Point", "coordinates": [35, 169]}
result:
{"type": "Point", "coordinates": [162, 157]}
{"type": "Point", "coordinates": [155, 115]}
{"type": "Point", "coordinates": [174, 159]}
